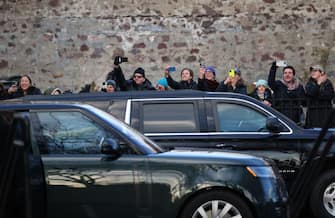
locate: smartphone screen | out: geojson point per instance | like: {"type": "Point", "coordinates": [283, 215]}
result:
{"type": "Point", "coordinates": [281, 63]}
{"type": "Point", "coordinates": [171, 69]}
{"type": "Point", "coordinates": [231, 73]}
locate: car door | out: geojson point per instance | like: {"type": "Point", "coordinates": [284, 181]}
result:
{"type": "Point", "coordinates": [241, 125]}
{"type": "Point", "coordinates": [171, 123]}
{"type": "Point", "coordinates": [80, 181]}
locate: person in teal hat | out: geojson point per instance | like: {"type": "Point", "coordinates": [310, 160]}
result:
{"type": "Point", "coordinates": [162, 84]}
{"type": "Point", "coordinates": [262, 92]}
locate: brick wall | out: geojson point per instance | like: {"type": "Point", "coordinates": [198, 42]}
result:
{"type": "Point", "coordinates": [73, 42]}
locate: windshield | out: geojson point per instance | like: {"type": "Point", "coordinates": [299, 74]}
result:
{"type": "Point", "coordinates": [131, 134]}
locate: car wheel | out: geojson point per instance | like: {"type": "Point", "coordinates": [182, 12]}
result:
{"type": "Point", "coordinates": [217, 204]}
{"type": "Point", "coordinates": [322, 200]}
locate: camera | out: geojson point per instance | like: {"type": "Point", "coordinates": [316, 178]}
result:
{"type": "Point", "coordinates": [118, 60]}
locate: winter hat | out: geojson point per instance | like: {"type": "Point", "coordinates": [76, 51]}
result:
{"type": "Point", "coordinates": [163, 82]}
{"type": "Point", "coordinates": [111, 82]}
{"type": "Point", "coordinates": [262, 82]}
{"type": "Point", "coordinates": [238, 71]}
{"type": "Point", "coordinates": [316, 67]}
{"type": "Point", "coordinates": [140, 70]}
{"type": "Point", "coordinates": [52, 91]}
{"type": "Point", "coordinates": [211, 69]}
{"type": "Point", "coordinates": [55, 91]}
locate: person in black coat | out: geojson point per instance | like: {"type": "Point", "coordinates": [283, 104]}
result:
{"type": "Point", "coordinates": [137, 83]}
{"type": "Point", "coordinates": [186, 81]}
{"type": "Point", "coordinates": [262, 92]}
{"type": "Point", "coordinates": [233, 83]}
{"type": "Point", "coordinates": [25, 88]}
{"type": "Point", "coordinates": [319, 95]}
{"type": "Point", "coordinates": [3, 92]}
{"type": "Point", "coordinates": [206, 80]}
{"type": "Point", "coordinates": [289, 94]}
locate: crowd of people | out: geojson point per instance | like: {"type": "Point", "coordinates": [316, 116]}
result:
{"type": "Point", "coordinates": [287, 94]}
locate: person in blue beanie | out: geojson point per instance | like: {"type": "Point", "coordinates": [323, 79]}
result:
{"type": "Point", "coordinates": [207, 80]}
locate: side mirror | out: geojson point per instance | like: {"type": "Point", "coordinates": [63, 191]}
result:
{"type": "Point", "coordinates": [111, 148]}
{"type": "Point", "coordinates": [274, 125]}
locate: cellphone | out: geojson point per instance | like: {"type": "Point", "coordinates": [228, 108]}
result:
{"type": "Point", "coordinates": [281, 63]}
{"type": "Point", "coordinates": [231, 73]}
{"type": "Point", "coordinates": [171, 69]}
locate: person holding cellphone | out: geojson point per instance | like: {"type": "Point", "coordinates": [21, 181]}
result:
{"type": "Point", "coordinates": [186, 79]}
{"type": "Point", "coordinates": [24, 88]}
{"type": "Point", "coordinates": [288, 93]}
{"type": "Point", "coordinates": [207, 79]}
{"type": "Point", "coordinates": [233, 83]}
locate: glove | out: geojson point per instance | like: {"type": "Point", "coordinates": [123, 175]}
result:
{"type": "Point", "coordinates": [117, 60]}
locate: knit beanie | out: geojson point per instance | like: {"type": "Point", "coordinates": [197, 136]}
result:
{"type": "Point", "coordinates": [211, 69]}
{"type": "Point", "coordinates": [140, 70]}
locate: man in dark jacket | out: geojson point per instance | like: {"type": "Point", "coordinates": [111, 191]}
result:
{"type": "Point", "coordinates": [137, 83]}
{"type": "Point", "coordinates": [186, 81]}
{"type": "Point", "coordinates": [319, 93]}
{"type": "Point", "coordinates": [289, 94]}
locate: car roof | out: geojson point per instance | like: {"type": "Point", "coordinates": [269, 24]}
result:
{"type": "Point", "coordinates": [19, 106]}
{"type": "Point", "coordinates": [135, 95]}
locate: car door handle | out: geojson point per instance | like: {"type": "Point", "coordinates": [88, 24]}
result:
{"type": "Point", "coordinates": [229, 146]}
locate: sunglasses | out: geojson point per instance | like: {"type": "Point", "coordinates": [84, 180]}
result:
{"type": "Point", "coordinates": [138, 76]}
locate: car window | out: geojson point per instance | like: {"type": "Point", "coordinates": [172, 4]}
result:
{"type": "Point", "coordinates": [70, 132]}
{"type": "Point", "coordinates": [239, 118]}
{"type": "Point", "coordinates": [180, 117]}
{"type": "Point", "coordinates": [117, 108]}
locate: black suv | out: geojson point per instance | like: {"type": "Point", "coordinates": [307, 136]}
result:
{"type": "Point", "coordinates": [176, 119]}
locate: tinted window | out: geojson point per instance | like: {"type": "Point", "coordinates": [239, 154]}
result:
{"type": "Point", "coordinates": [239, 118]}
{"type": "Point", "coordinates": [69, 133]}
{"type": "Point", "coordinates": [169, 118]}
{"type": "Point", "coordinates": [116, 108]}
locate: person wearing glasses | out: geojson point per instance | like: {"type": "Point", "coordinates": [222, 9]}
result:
{"type": "Point", "coordinates": [138, 82]}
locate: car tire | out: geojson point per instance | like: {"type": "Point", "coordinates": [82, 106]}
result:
{"type": "Point", "coordinates": [203, 204]}
{"type": "Point", "coordinates": [322, 199]}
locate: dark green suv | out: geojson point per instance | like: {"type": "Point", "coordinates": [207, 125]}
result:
{"type": "Point", "coordinates": [68, 160]}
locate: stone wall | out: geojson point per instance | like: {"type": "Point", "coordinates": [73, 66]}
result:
{"type": "Point", "coordinates": [71, 43]}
